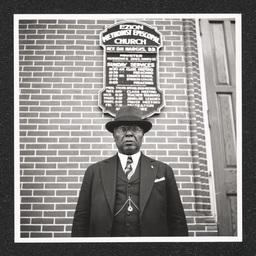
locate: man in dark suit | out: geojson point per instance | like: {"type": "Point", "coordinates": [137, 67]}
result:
{"type": "Point", "coordinates": [129, 194]}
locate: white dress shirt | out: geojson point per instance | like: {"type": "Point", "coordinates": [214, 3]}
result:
{"type": "Point", "coordinates": [135, 160]}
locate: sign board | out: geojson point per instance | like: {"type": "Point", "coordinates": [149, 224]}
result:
{"type": "Point", "coordinates": [131, 68]}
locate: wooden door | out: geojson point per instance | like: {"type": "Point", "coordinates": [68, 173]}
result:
{"type": "Point", "coordinates": [218, 43]}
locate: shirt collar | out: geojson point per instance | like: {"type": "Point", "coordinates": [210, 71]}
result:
{"type": "Point", "coordinates": [135, 159]}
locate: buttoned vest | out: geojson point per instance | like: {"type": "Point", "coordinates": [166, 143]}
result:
{"type": "Point", "coordinates": [125, 222]}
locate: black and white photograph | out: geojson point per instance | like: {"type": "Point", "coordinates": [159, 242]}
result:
{"type": "Point", "coordinates": [128, 128]}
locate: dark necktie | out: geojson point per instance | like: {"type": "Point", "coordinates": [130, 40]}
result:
{"type": "Point", "coordinates": [128, 168]}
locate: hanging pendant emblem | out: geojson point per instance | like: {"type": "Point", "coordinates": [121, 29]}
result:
{"type": "Point", "coordinates": [130, 209]}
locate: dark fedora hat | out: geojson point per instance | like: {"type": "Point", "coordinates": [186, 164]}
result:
{"type": "Point", "coordinates": [129, 115]}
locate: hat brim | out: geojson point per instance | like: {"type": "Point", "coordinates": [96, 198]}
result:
{"type": "Point", "coordinates": [145, 125]}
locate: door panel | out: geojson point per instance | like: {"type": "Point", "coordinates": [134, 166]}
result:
{"type": "Point", "coordinates": [218, 42]}
{"type": "Point", "coordinates": [228, 129]}
{"type": "Point", "coordinates": [220, 56]}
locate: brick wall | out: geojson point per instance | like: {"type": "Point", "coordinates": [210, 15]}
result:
{"type": "Point", "coordinates": [62, 128]}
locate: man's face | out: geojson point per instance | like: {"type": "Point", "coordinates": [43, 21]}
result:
{"type": "Point", "coordinates": [128, 139]}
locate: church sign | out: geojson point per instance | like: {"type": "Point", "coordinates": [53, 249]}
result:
{"type": "Point", "coordinates": [131, 52]}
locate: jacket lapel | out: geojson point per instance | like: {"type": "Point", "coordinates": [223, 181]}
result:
{"type": "Point", "coordinates": [148, 174]}
{"type": "Point", "coordinates": [108, 171]}
{"type": "Point", "coordinates": [108, 174]}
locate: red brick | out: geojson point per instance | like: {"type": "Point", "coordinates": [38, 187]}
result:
{"type": "Point", "coordinates": [71, 103]}
{"type": "Point", "coordinates": [42, 221]}
{"type": "Point", "coordinates": [44, 234]}
{"type": "Point", "coordinates": [44, 179]}
{"type": "Point", "coordinates": [64, 221]}
{"type": "Point", "coordinates": [73, 58]}
{"type": "Point", "coordinates": [75, 47]}
{"type": "Point", "coordinates": [73, 199]}
{"type": "Point", "coordinates": [30, 228]}
{"type": "Point", "coordinates": [75, 69]}
{"type": "Point", "coordinates": [31, 199]}
{"type": "Point", "coordinates": [196, 227]}
{"type": "Point", "coordinates": [53, 228]}
{"type": "Point", "coordinates": [35, 47]}
{"type": "Point", "coordinates": [80, 121]}
{"type": "Point", "coordinates": [25, 221]}
{"type": "Point", "coordinates": [155, 140]}
{"type": "Point", "coordinates": [48, 127]}
{"type": "Point", "coordinates": [54, 214]}
{"type": "Point", "coordinates": [28, 103]}
{"type": "Point", "coordinates": [66, 193]}
{"type": "Point", "coordinates": [27, 31]}
{"type": "Point", "coordinates": [61, 109]}
{"type": "Point", "coordinates": [46, 31]}
{"type": "Point", "coordinates": [25, 206]}
{"type": "Point", "coordinates": [60, 121]}
{"type": "Point", "coordinates": [91, 152]}
{"type": "Point", "coordinates": [67, 179]}
{"type": "Point", "coordinates": [45, 166]}
{"type": "Point", "coordinates": [26, 192]}
{"type": "Point", "coordinates": [168, 159]}
{"type": "Point", "coordinates": [47, 140]}
{"type": "Point", "coordinates": [26, 152]}
{"type": "Point", "coordinates": [180, 165]}
{"type": "Point", "coordinates": [55, 186]}
{"type": "Point", "coordinates": [68, 234]}
{"type": "Point", "coordinates": [43, 206]}
{"type": "Point", "coordinates": [78, 159]}
{"type": "Point", "coordinates": [26, 179]}
{"type": "Point", "coordinates": [52, 80]}
{"type": "Point", "coordinates": [166, 134]}
{"type": "Point", "coordinates": [188, 185]}
{"type": "Point", "coordinates": [31, 214]}
{"type": "Point", "coordinates": [177, 153]}
{"type": "Point", "coordinates": [57, 159]}
{"type": "Point", "coordinates": [33, 186]}
{"type": "Point", "coordinates": [69, 140]}
{"type": "Point", "coordinates": [58, 146]}
{"type": "Point", "coordinates": [167, 146]}
{"type": "Point", "coordinates": [74, 186]}
{"type": "Point", "coordinates": [63, 63]}
{"type": "Point", "coordinates": [85, 32]}
{"type": "Point", "coordinates": [56, 172]}
{"type": "Point", "coordinates": [69, 127]}
{"type": "Point", "coordinates": [54, 199]}
{"type": "Point", "coordinates": [24, 235]}
{"type": "Point", "coordinates": [68, 166]}
{"type": "Point", "coordinates": [28, 140]}
{"type": "Point", "coordinates": [43, 192]}
{"type": "Point", "coordinates": [62, 97]}
{"type": "Point", "coordinates": [65, 206]}
{"type": "Point", "coordinates": [73, 80]}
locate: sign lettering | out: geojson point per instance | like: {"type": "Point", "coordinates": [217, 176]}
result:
{"type": "Point", "coordinates": [131, 68]}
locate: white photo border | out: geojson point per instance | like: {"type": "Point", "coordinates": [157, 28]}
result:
{"type": "Point", "coordinates": [18, 239]}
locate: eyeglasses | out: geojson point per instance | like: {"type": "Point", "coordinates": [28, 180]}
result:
{"type": "Point", "coordinates": [125, 129]}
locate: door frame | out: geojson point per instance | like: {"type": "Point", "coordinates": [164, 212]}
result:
{"type": "Point", "coordinates": [215, 186]}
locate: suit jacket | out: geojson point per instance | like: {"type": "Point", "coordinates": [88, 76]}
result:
{"type": "Point", "coordinates": [161, 211]}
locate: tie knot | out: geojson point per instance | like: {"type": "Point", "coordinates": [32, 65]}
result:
{"type": "Point", "coordinates": [129, 160]}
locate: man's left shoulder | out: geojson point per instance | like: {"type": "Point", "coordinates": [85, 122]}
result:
{"type": "Point", "coordinates": [159, 163]}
